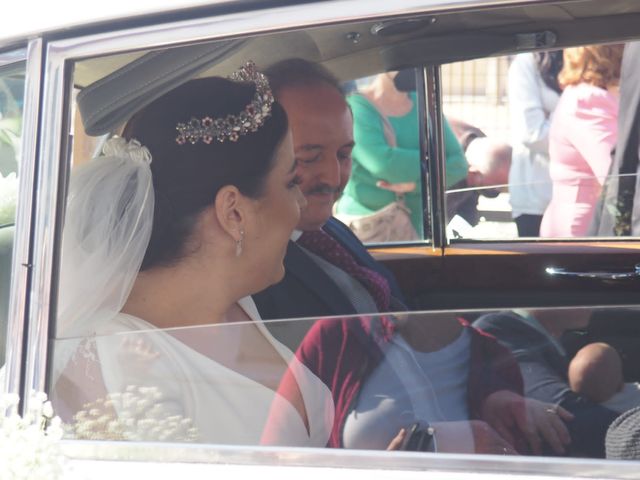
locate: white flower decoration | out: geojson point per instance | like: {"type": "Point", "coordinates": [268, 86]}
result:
{"type": "Point", "coordinates": [137, 414]}
{"type": "Point", "coordinates": [29, 445]}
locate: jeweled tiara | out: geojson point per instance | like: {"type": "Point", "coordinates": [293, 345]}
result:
{"type": "Point", "coordinates": [232, 127]}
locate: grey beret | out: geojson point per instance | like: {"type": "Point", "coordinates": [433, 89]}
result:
{"type": "Point", "coordinates": [623, 437]}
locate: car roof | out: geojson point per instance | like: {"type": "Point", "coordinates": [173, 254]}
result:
{"type": "Point", "coordinates": [64, 16]}
{"type": "Point", "coordinates": [464, 30]}
{"type": "Point", "coordinates": [447, 31]}
{"type": "Point", "coordinates": [20, 22]}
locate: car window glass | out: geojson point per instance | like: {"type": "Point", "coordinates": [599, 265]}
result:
{"type": "Point", "coordinates": [383, 200]}
{"type": "Point", "coordinates": [535, 171]}
{"type": "Point", "coordinates": [517, 382]}
{"type": "Point", "coordinates": [118, 375]}
{"type": "Point", "coordinates": [475, 106]}
{"type": "Point", "coordinates": [11, 110]}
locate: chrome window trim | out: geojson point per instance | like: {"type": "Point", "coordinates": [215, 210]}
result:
{"type": "Point", "coordinates": [46, 194]}
{"type": "Point", "coordinates": [21, 259]}
{"type": "Point", "coordinates": [435, 156]}
{"type": "Point", "coordinates": [425, 177]}
{"type": "Point", "coordinates": [362, 460]}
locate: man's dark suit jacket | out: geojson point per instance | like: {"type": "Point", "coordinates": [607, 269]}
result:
{"type": "Point", "coordinates": [620, 193]}
{"type": "Point", "coordinates": [307, 291]}
{"type": "Point", "coordinates": [544, 370]}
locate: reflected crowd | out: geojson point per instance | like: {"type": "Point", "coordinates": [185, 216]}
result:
{"type": "Point", "coordinates": [556, 171]}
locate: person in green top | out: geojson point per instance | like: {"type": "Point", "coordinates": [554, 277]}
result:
{"type": "Point", "coordinates": [387, 151]}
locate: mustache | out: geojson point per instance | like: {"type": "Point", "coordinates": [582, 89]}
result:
{"type": "Point", "coordinates": [323, 189]}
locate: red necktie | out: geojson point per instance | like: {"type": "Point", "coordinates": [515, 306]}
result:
{"type": "Point", "coordinates": [326, 247]}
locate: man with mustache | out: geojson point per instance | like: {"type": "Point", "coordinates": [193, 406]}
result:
{"type": "Point", "coordinates": [328, 270]}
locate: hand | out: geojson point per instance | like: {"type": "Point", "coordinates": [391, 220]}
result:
{"type": "Point", "coordinates": [137, 353]}
{"type": "Point", "coordinates": [396, 443]}
{"type": "Point", "coordinates": [404, 187]}
{"type": "Point", "coordinates": [548, 420]}
{"type": "Point", "coordinates": [509, 413]}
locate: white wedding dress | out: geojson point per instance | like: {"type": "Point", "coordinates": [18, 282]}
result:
{"type": "Point", "coordinates": [224, 406]}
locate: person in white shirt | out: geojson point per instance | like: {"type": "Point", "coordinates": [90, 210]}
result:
{"type": "Point", "coordinates": [533, 93]}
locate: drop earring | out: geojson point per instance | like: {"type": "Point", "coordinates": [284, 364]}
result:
{"type": "Point", "coordinates": [239, 244]}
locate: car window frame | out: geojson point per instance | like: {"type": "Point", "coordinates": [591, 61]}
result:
{"type": "Point", "coordinates": [19, 293]}
{"type": "Point", "coordinates": [437, 163]}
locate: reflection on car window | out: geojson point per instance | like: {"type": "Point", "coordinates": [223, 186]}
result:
{"type": "Point", "coordinates": [475, 105]}
{"type": "Point", "coordinates": [520, 382]}
{"type": "Point", "coordinates": [539, 137]}
{"type": "Point", "coordinates": [150, 355]}
{"type": "Point", "coordinates": [383, 201]}
{"type": "Point", "coordinates": [11, 106]}
{"type": "Point", "coordinates": [213, 384]}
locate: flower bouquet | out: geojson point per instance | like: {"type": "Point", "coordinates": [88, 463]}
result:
{"type": "Point", "coordinates": [137, 414]}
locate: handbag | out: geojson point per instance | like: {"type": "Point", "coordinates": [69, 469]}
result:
{"type": "Point", "coordinates": [391, 223]}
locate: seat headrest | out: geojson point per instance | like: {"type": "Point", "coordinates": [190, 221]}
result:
{"type": "Point", "coordinates": [108, 103]}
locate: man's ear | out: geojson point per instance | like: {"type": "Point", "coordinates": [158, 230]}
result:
{"type": "Point", "coordinates": [230, 208]}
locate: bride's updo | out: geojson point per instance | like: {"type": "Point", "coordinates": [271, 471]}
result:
{"type": "Point", "coordinates": [187, 177]}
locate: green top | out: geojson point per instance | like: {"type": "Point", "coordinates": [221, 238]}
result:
{"type": "Point", "coordinates": [374, 160]}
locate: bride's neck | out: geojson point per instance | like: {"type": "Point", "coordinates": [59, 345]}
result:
{"type": "Point", "coordinates": [178, 296]}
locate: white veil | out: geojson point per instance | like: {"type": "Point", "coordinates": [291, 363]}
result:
{"type": "Point", "coordinates": [107, 228]}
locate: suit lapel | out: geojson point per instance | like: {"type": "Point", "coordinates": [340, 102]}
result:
{"type": "Point", "coordinates": [301, 266]}
{"type": "Point", "coordinates": [358, 252]}
{"type": "Point", "coordinates": [349, 241]}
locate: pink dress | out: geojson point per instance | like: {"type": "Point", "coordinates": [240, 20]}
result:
{"type": "Point", "coordinates": [581, 138]}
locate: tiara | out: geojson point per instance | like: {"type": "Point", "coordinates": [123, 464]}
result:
{"type": "Point", "coordinates": [232, 127]}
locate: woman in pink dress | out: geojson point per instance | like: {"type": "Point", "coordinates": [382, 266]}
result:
{"type": "Point", "coordinates": [582, 135]}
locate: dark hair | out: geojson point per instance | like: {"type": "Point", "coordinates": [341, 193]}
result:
{"type": "Point", "coordinates": [186, 178]}
{"type": "Point", "coordinates": [549, 65]}
{"type": "Point", "coordinates": [295, 72]}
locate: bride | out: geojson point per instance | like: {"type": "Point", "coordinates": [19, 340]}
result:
{"type": "Point", "coordinates": [166, 236]}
